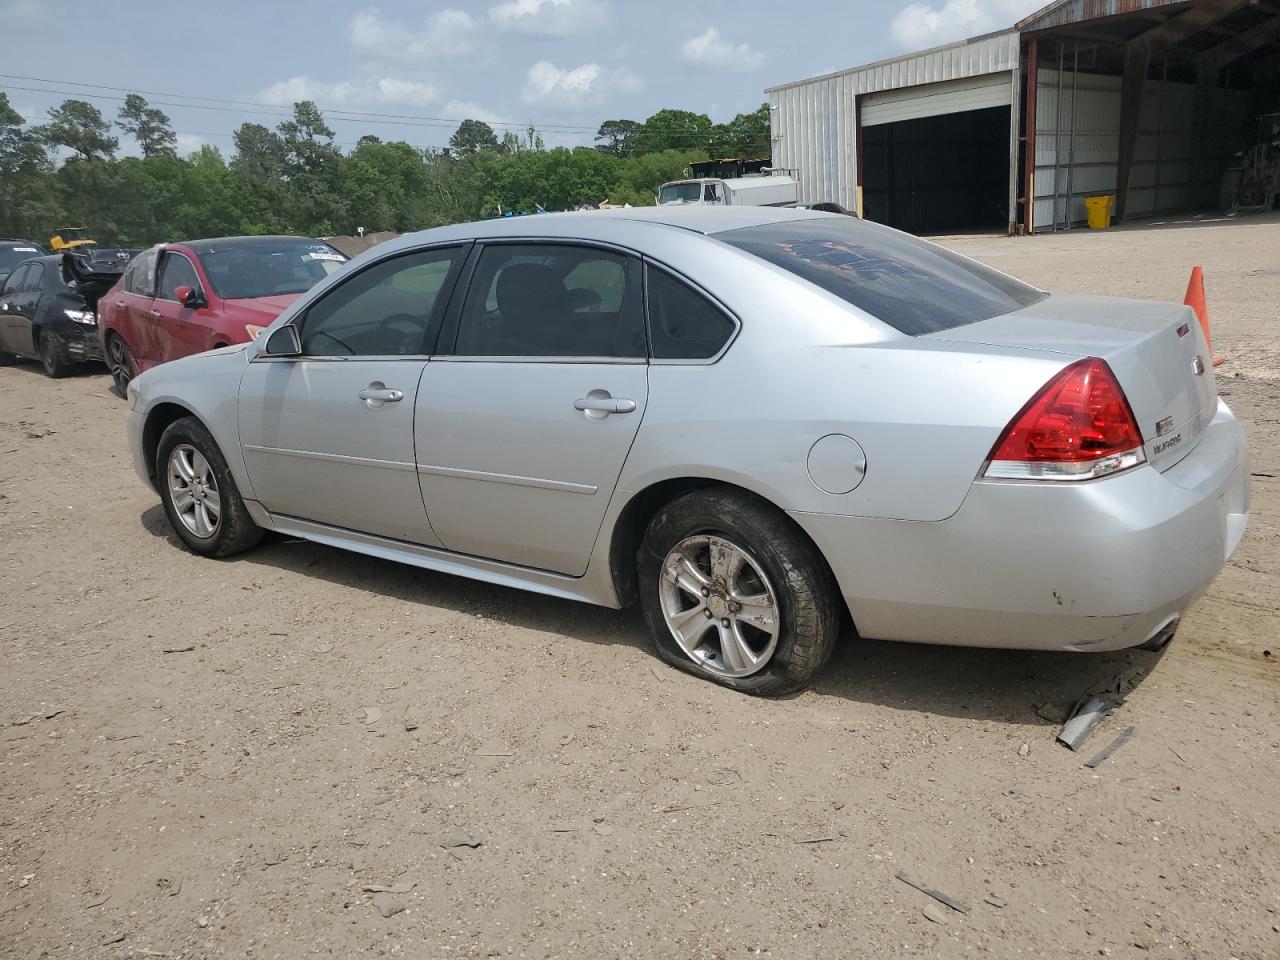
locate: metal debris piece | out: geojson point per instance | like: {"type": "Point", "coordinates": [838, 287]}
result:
{"type": "Point", "coordinates": [178, 649]}
{"type": "Point", "coordinates": [936, 894]}
{"type": "Point", "coordinates": [1111, 748]}
{"type": "Point", "coordinates": [1082, 723]}
{"type": "Point", "coordinates": [404, 886]}
{"type": "Point", "coordinates": [996, 901]}
{"type": "Point", "coordinates": [933, 912]}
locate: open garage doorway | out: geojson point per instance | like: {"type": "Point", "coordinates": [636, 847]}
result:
{"type": "Point", "coordinates": [938, 174]}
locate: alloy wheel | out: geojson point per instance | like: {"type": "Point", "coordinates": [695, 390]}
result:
{"type": "Point", "coordinates": [194, 491]}
{"type": "Point", "coordinates": [719, 605]}
{"type": "Point", "coordinates": [120, 360]}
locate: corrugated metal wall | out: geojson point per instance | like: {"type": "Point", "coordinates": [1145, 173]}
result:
{"type": "Point", "coordinates": [1168, 157]}
{"type": "Point", "coordinates": [813, 120]}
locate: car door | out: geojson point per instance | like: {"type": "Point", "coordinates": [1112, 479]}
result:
{"type": "Point", "coordinates": [179, 330]}
{"type": "Point", "coordinates": [23, 306]}
{"type": "Point", "coordinates": [523, 427]}
{"type": "Point", "coordinates": [328, 435]}
{"type": "Point", "coordinates": [134, 301]}
{"type": "Point", "coordinates": [15, 327]}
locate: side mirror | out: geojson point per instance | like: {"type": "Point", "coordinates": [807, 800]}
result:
{"type": "Point", "coordinates": [283, 342]}
{"type": "Point", "coordinates": [189, 297]}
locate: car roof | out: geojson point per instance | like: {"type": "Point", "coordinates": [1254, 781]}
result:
{"type": "Point", "coordinates": [601, 225]}
{"type": "Point", "coordinates": [210, 244]}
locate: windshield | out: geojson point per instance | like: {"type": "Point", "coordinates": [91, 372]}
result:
{"type": "Point", "coordinates": [10, 257]}
{"type": "Point", "coordinates": [679, 192]}
{"type": "Point", "coordinates": [246, 269]}
{"type": "Point", "coordinates": [913, 286]}
{"type": "Point", "coordinates": [73, 233]}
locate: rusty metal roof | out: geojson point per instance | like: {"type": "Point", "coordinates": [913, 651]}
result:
{"type": "Point", "coordinates": [1063, 13]}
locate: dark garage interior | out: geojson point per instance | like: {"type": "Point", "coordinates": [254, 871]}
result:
{"type": "Point", "coordinates": [941, 174]}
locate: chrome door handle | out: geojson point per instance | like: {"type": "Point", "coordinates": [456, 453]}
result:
{"type": "Point", "coordinates": [120, 303]}
{"type": "Point", "coordinates": [375, 395]}
{"type": "Point", "coordinates": [156, 314]}
{"type": "Point", "coordinates": [604, 405]}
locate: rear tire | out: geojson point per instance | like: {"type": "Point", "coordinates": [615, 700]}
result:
{"type": "Point", "coordinates": [120, 362]}
{"type": "Point", "coordinates": [199, 494]}
{"type": "Point", "coordinates": [53, 355]}
{"type": "Point", "coordinates": [753, 598]}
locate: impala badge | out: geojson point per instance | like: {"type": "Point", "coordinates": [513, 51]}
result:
{"type": "Point", "coordinates": [1164, 426]}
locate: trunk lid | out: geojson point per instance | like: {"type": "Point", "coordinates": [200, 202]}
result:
{"type": "Point", "coordinates": [1156, 350]}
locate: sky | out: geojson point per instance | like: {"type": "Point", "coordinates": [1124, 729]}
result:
{"type": "Point", "coordinates": [413, 69]}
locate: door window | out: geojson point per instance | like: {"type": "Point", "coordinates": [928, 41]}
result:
{"type": "Point", "coordinates": [31, 282]}
{"type": "Point", "coordinates": [392, 309]}
{"type": "Point", "coordinates": [683, 324]}
{"type": "Point", "coordinates": [140, 279]}
{"type": "Point", "coordinates": [176, 271]}
{"type": "Point", "coordinates": [546, 300]}
{"type": "Point", "coordinates": [14, 283]}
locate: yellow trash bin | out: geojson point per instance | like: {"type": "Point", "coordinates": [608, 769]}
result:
{"type": "Point", "coordinates": [1099, 210]}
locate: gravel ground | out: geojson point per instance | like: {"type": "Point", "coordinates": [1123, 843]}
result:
{"type": "Point", "coordinates": [206, 759]}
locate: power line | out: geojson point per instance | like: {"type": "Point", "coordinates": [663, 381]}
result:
{"type": "Point", "coordinates": [275, 110]}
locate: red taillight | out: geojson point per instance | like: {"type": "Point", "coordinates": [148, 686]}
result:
{"type": "Point", "coordinates": [1079, 426]}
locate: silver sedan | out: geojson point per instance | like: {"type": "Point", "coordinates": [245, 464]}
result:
{"type": "Point", "coordinates": [769, 427]}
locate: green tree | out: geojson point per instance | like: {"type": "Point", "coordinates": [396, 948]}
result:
{"type": "Point", "coordinates": [149, 126]}
{"type": "Point", "coordinates": [747, 136]}
{"type": "Point", "coordinates": [673, 130]}
{"type": "Point", "coordinates": [618, 137]}
{"type": "Point", "coordinates": [80, 127]}
{"type": "Point", "coordinates": [259, 153]}
{"type": "Point", "coordinates": [472, 137]}
{"type": "Point", "coordinates": [26, 197]}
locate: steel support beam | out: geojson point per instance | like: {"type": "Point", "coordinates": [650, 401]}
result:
{"type": "Point", "coordinates": [1135, 76]}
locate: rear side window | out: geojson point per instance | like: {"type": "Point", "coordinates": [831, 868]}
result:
{"type": "Point", "coordinates": [14, 283]}
{"type": "Point", "coordinates": [140, 278]}
{"type": "Point", "coordinates": [35, 276]}
{"type": "Point", "coordinates": [683, 324]}
{"type": "Point", "coordinates": [913, 286]}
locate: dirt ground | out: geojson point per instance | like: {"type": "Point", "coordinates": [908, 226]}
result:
{"type": "Point", "coordinates": [206, 759]}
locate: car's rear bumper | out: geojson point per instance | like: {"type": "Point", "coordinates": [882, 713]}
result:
{"type": "Point", "coordinates": [1099, 565]}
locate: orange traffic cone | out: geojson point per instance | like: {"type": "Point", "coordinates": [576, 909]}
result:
{"type": "Point", "coordinates": [1195, 300]}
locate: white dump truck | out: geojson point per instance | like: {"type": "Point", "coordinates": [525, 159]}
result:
{"type": "Point", "coordinates": [732, 183]}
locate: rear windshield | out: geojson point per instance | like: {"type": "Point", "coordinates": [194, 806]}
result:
{"type": "Point", "coordinates": [10, 257]}
{"type": "Point", "coordinates": [913, 286]}
{"type": "Point", "coordinates": [247, 269]}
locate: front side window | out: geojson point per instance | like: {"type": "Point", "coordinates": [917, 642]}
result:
{"type": "Point", "coordinates": [392, 309]}
{"type": "Point", "coordinates": [913, 286]}
{"type": "Point", "coordinates": [547, 300]}
{"type": "Point", "coordinates": [141, 276]}
{"type": "Point", "coordinates": [176, 271]}
{"type": "Point", "coordinates": [246, 269]}
{"type": "Point", "coordinates": [683, 324]}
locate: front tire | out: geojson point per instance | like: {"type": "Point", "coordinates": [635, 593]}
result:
{"type": "Point", "coordinates": [199, 494]}
{"type": "Point", "coordinates": [733, 592]}
{"type": "Point", "coordinates": [53, 355]}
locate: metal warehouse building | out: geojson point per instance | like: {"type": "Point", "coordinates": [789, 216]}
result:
{"type": "Point", "coordinates": [1149, 100]}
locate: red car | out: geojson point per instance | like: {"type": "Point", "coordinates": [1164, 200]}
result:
{"type": "Point", "coordinates": [177, 299]}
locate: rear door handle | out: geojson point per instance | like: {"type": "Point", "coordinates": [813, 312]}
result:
{"type": "Point", "coordinates": [376, 394]}
{"type": "Point", "coordinates": [157, 314]}
{"type": "Point", "coordinates": [120, 303]}
{"type": "Point", "coordinates": [604, 405]}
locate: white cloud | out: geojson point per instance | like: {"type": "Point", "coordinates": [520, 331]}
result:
{"type": "Point", "coordinates": [465, 110]}
{"type": "Point", "coordinates": [385, 91]}
{"type": "Point", "coordinates": [446, 33]}
{"type": "Point", "coordinates": [921, 25]}
{"type": "Point", "coordinates": [713, 50]}
{"type": "Point", "coordinates": [577, 87]}
{"type": "Point", "coordinates": [189, 143]}
{"type": "Point", "coordinates": [558, 18]}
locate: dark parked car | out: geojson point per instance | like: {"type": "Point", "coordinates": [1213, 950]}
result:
{"type": "Point", "coordinates": [43, 318]}
{"type": "Point", "coordinates": [13, 252]}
